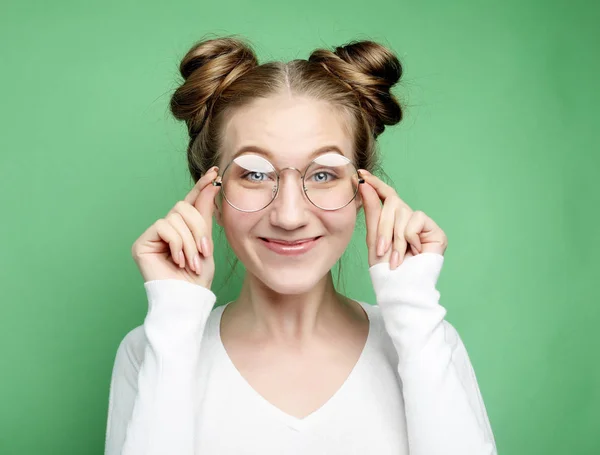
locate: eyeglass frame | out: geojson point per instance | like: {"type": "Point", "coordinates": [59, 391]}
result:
{"type": "Point", "coordinates": [219, 182]}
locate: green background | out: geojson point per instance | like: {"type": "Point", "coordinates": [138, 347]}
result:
{"type": "Point", "coordinates": [499, 147]}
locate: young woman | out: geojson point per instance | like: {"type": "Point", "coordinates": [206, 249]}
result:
{"type": "Point", "coordinates": [281, 154]}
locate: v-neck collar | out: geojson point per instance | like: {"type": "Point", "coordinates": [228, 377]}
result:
{"type": "Point", "coordinates": [291, 421]}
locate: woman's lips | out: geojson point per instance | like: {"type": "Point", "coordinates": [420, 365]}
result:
{"type": "Point", "coordinates": [289, 248]}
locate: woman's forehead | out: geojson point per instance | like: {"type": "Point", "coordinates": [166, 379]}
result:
{"type": "Point", "coordinates": [288, 132]}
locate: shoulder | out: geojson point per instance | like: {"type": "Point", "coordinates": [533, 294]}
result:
{"type": "Point", "coordinates": [376, 322]}
{"type": "Point", "coordinates": [131, 348]}
{"type": "Point", "coordinates": [133, 345]}
{"type": "Point", "coordinates": [135, 337]}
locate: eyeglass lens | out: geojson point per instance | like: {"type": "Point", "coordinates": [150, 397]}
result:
{"type": "Point", "coordinates": [249, 182]}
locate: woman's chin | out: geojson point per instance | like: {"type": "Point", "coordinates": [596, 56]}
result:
{"type": "Point", "coordinates": [290, 274]}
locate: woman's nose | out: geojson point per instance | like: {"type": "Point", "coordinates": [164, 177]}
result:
{"type": "Point", "coordinates": [290, 207]}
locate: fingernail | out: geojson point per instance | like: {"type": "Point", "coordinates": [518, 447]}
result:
{"type": "Point", "coordinates": [181, 260]}
{"type": "Point", "coordinates": [205, 247]}
{"type": "Point", "coordinates": [395, 259]}
{"type": "Point", "coordinates": [381, 246]}
{"type": "Point", "coordinates": [197, 264]}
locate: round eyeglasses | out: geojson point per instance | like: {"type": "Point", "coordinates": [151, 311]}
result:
{"type": "Point", "coordinates": [250, 182]}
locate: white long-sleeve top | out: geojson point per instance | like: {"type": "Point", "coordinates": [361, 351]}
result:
{"type": "Point", "coordinates": [175, 391]}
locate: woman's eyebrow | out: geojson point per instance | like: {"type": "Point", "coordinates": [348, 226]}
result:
{"type": "Point", "coordinates": [270, 157]}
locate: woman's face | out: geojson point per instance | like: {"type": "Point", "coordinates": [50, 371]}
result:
{"type": "Point", "coordinates": [289, 130]}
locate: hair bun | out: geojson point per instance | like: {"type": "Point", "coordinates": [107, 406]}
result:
{"type": "Point", "coordinates": [371, 70]}
{"type": "Point", "coordinates": [208, 68]}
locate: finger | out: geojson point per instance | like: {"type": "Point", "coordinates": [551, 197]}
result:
{"type": "Point", "coordinates": [424, 232]}
{"type": "Point", "coordinates": [385, 230]}
{"type": "Point", "coordinates": [195, 223]}
{"type": "Point", "coordinates": [383, 189]}
{"type": "Point", "coordinates": [372, 208]}
{"type": "Point", "coordinates": [189, 245]}
{"type": "Point", "coordinates": [170, 236]}
{"type": "Point", "coordinates": [196, 197]}
{"type": "Point", "coordinates": [403, 216]}
{"type": "Point", "coordinates": [413, 249]}
{"type": "Point", "coordinates": [200, 184]}
{"type": "Point", "coordinates": [205, 203]}
{"type": "Point", "coordinates": [415, 226]}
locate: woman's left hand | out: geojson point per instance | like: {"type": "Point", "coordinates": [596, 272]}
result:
{"type": "Point", "coordinates": [394, 230]}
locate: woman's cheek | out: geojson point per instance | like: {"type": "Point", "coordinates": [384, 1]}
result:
{"type": "Point", "coordinates": [236, 225]}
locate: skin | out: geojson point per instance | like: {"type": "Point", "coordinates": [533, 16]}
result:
{"type": "Point", "coordinates": [292, 337]}
{"type": "Point", "coordinates": [289, 333]}
{"type": "Point", "coordinates": [287, 299]}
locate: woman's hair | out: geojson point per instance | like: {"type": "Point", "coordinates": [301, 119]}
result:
{"type": "Point", "coordinates": [220, 75]}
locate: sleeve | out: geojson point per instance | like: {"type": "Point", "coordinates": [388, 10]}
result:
{"type": "Point", "coordinates": [152, 400]}
{"type": "Point", "coordinates": [445, 413]}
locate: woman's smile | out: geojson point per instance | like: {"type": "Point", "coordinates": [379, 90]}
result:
{"type": "Point", "coordinates": [290, 248]}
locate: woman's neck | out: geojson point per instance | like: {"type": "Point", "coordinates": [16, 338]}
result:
{"type": "Point", "coordinates": [263, 313]}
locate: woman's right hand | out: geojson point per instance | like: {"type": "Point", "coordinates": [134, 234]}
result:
{"type": "Point", "coordinates": [179, 246]}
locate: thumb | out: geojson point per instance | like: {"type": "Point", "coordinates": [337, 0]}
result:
{"type": "Point", "coordinates": [204, 203]}
{"type": "Point", "coordinates": [372, 207]}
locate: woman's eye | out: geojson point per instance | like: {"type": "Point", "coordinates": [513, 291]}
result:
{"type": "Point", "coordinates": [322, 177]}
{"type": "Point", "coordinates": [255, 176]}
